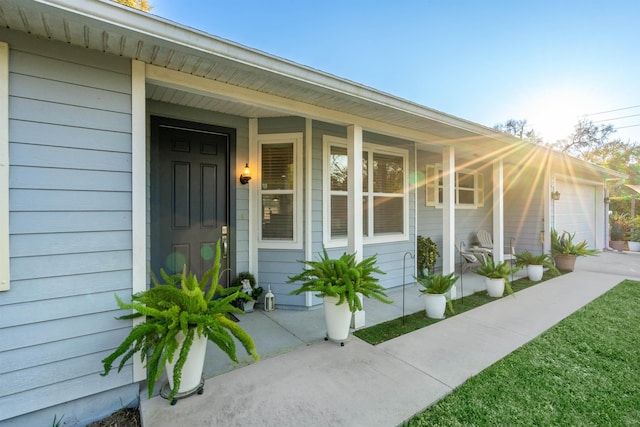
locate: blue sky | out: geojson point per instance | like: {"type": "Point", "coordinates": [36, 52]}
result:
{"type": "Point", "coordinates": [550, 62]}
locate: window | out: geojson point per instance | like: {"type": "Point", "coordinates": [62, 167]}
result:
{"type": "Point", "coordinates": [279, 188]}
{"type": "Point", "coordinates": [384, 203]}
{"type": "Point", "coordinates": [468, 191]}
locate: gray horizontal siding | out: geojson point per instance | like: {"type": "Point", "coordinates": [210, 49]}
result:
{"type": "Point", "coordinates": [28, 245]}
{"type": "Point", "coordinates": [70, 224]}
{"type": "Point", "coordinates": [62, 200]}
{"type": "Point", "coordinates": [70, 137]}
{"type": "Point", "coordinates": [524, 211]}
{"type": "Point", "coordinates": [69, 179]}
{"type": "Point", "coordinates": [68, 115]}
{"type": "Point", "coordinates": [45, 288]}
{"type": "Point", "coordinates": [275, 267]}
{"type": "Point", "coordinates": [33, 334]}
{"type": "Point", "coordinates": [82, 69]}
{"type": "Point", "coordinates": [70, 158]}
{"type": "Point", "coordinates": [65, 391]}
{"type": "Point", "coordinates": [69, 264]}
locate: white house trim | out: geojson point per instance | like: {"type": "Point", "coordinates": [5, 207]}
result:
{"type": "Point", "coordinates": [448, 209]}
{"type": "Point", "coordinates": [498, 210]}
{"type": "Point", "coordinates": [355, 239]}
{"type": "Point", "coordinates": [354, 186]}
{"type": "Point", "coordinates": [5, 274]}
{"type": "Point", "coordinates": [308, 198]}
{"type": "Point", "coordinates": [254, 226]}
{"type": "Point", "coordinates": [138, 194]}
{"type": "Point", "coordinates": [296, 139]}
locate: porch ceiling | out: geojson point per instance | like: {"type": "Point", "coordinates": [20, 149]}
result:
{"type": "Point", "coordinates": [108, 27]}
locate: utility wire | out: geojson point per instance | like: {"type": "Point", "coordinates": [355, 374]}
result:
{"type": "Point", "coordinates": [630, 126]}
{"type": "Point", "coordinates": [611, 111]}
{"type": "Point", "coordinates": [615, 118]}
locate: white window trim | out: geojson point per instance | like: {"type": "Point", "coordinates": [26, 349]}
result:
{"type": "Point", "coordinates": [282, 138]}
{"type": "Point", "coordinates": [478, 184]}
{"type": "Point", "coordinates": [5, 274]}
{"type": "Point", "coordinates": [328, 242]}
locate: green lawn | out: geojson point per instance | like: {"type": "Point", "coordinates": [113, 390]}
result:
{"type": "Point", "coordinates": [394, 328]}
{"type": "Point", "coordinates": [584, 371]}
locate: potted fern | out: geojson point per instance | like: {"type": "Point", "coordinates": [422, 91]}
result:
{"type": "Point", "coordinates": [340, 282]}
{"type": "Point", "coordinates": [434, 290]}
{"type": "Point", "coordinates": [564, 251]}
{"type": "Point", "coordinates": [180, 315]}
{"type": "Point", "coordinates": [497, 276]}
{"type": "Point", "coordinates": [535, 264]}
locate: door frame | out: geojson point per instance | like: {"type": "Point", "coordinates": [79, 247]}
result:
{"type": "Point", "coordinates": [155, 122]}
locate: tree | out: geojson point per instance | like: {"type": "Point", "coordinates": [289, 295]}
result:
{"type": "Point", "coordinates": [586, 139]}
{"type": "Point", "coordinates": [142, 5]}
{"type": "Point", "coordinates": [593, 143]}
{"type": "Point", "coordinates": [517, 128]}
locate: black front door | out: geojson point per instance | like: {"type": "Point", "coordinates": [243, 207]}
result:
{"type": "Point", "coordinates": [189, 195]}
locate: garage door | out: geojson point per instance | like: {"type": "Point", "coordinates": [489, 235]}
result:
{"type": "Point", "coordinates": [576, 211]}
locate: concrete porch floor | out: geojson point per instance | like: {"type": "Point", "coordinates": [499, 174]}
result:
{"type": "Point", "coordinates": [281, 331]}
{"type": "Point", "coordinates": [302, 380]}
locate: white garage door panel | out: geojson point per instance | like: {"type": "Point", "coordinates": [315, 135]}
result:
{"type": "Point", "coordinates": [575, 212]}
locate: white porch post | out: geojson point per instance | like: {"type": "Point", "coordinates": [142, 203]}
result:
{"type": "Point", "coordinates": [138, 194]}
{"type": "Point", "coordinates": [448, 210]}
{"type": "Point", "coordinates": [4, 167]}
{"type": "Point", "coordinates": [546, 220]}
{"type": "Point", "coordinates": [354, 202]}
{"type": "Point", "coordinates": [498, 211]}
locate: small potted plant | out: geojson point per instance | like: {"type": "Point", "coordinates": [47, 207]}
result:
{"type": "Point", "coordinates": [634, 235]}
{"type": "Point", "coordinates": [340, 282]}
{"type": "Point", "coordinates": [427, 255]}
{"type": "Point", "coordinates": [619, 225]}
{"type": "Point", "coordinates": [564, 251]}
{"type": "Point", "coordinates": [535, 264]}
{"type": "Point", "coordinates": [497, 276]}
{"type": "Point", "coordinates": [246, 282]}
{"type": "Point", "coordinates": [180, 315]}
{"type": "Point", "coordinates": [434, 290]}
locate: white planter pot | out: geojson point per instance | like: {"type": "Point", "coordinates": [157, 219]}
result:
{"type": "Point", "coordinates": [434, 305]}
{"type": "Point", "coordinates": [192, 369]}
{"type": "Point", "coordinates": [248, 306]}
{"type": "Point", "coordinates": [337, 318]}
{"type": "Point", "coordinates": [535, 272]}
{"type": "Point", "coordinates": [634, 246]}
{"type": "Point", "coordinates": [495, 287]}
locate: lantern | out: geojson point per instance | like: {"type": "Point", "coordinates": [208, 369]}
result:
{"type": "Point", "coordinates": [269, 301]}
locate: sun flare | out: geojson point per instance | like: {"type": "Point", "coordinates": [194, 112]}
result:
{"type": "Point", "coordinates": [554, 114]}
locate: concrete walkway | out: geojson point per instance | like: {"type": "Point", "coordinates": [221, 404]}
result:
{"type": "Point", "coordinates": [323, 384]}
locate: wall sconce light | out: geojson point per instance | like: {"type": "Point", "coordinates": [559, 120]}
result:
{"type": "Point", "coordinates": [245, 176]}
{"type": "Point", "coordinates": [555, 195]}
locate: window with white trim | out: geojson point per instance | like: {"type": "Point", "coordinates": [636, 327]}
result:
{"type": "Point", "coordinates": [279, 194]}
{"type": "Point", "coordinates": [385, 205]}
{"type": "Point", "coordinates": [468, 190]}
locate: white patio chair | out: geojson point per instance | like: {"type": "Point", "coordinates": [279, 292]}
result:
{"type": "Point", "coordinates": [470, 260]}
{"type": "Point", "coordinates": [486, 243]}
{"type": "Point", "coordinates": [485, 239]}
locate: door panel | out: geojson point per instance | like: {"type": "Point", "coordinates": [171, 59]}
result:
{"type": "Point", "coordinates": [190, 195]}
